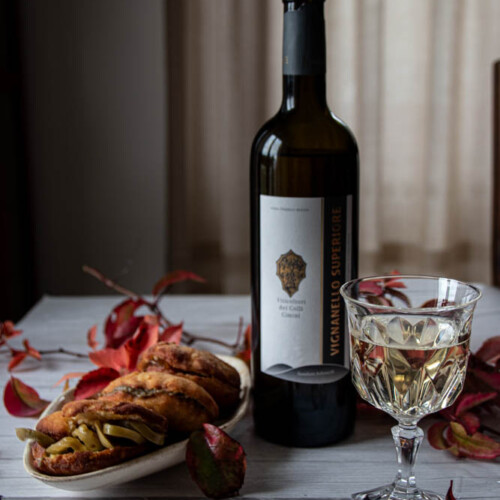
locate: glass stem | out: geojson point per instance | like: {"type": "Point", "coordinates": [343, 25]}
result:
{"type": "Point", "coordinates": [407, 439]}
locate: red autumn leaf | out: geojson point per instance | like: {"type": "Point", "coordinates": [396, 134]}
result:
{"type": "Point", "coordinates": [91, 341]}
{"type": "Point", "coordinates": [478, 364]}
{"type": "Point", "coordinates": [431, 303]}
{"type": "Point", "coordinates": [172, 334]}
{"type": "Point", "coordinates": [124, 358]}
{"type": "Point", "coordinates": [175, 277]}
{"type": "Point", "coordinates": [30, 350]}
{"type": "Point", "coordinates": [121, 323]}
{"type": "Point", "coordinates": [371, 287]}
{"type": "Point", "coordinates": [476, 446]}
{"type": "Point", "coordinates": [470, 421]}
{"type": "Point", "coordinates": [449, 494]}
{"type": "Point", "coordinates": [489, 352]}
{"type": "Point", "coordinates": [400, 295]}
{"type": "Point", "coordinates": [68, 376]}
{"type": "Point", "coordinates": [126, 330]}
{"type": "Point", "coordinates": [376, 290]}
{"type": "Point", "coordinates": [151, 319]}
{"type": "Point", "coordinates": [145, 337]}
{"type": "Point", "coordinates": [108, 357]}
{"type": "Point", "coordinates": [17, 358]}
{"type": "Point", "coordinates": [216, 462]}
{"type": "Point", "coordinates": [94, 381]}
{"type": "Point", "coordinates": [8, 331]}
{"type": "Point", "coordinates": [245, 352]}
{"type": "Point", "coordinates": [394, 283]}
{"type": "Point", "coordinates": [467, 401]}
{"type": "Point", "coordinates": [21, 400]}
{"type": "Point", "coordinates": [379, 300]}
{"type": "Point", "coordinates": [490, 379]}
{"type": "Point", "coordinates": [436, 437]}
{"type": "Point", "coordinates": [395, 272]}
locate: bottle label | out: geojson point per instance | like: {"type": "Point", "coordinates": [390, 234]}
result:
{"type": "Point", "coordinates": [305, 249]}
{"type": "Point", "coordinates": [304, 41]}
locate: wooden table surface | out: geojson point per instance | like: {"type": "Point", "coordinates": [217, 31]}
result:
{"type": "Point", "coordinates": [365, 460]}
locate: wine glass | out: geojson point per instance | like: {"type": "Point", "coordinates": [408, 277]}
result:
{"type": "Point", "coordinates": [409, 350]}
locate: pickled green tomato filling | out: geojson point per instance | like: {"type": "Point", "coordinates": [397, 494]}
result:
{"type": "Point", "coordinates": [25, 434]}
{"type": "Point", "coordinates": [95, 437]}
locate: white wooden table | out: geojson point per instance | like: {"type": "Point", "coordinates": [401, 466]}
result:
{"type": "Point", "coordinates": [365, 460]}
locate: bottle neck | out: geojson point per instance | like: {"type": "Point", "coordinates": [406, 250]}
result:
{"type": "Point", "coordinates": [304, 64]}
{"type": "Point", "coordinates": [303, 91]}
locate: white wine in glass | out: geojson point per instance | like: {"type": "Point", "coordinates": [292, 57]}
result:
{"type": "Point", "coordinates": [409, 359]}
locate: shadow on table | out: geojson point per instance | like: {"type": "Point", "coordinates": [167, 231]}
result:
{"type": "Point", "coordinates": [271, 468]}
{"type": "Point", "coordinates": [371, 426]}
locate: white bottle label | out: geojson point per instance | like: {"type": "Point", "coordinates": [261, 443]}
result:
{"type": "Point", "coordinates": [305, 248]}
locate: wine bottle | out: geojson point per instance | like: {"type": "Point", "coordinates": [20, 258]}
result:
{"type": "Point", "coordinates": [304, 234]}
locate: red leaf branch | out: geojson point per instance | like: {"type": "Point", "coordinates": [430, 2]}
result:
{"type": "Point", "coordinates": [380, 291]}
{"type": "Point", "coordinates": [127, 334]}
{"type": "Point", "coordinates": [123, 322]}
{"type": "Point", "coordinates": [463, 431]}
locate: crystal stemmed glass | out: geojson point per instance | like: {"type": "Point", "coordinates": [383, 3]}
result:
{"type": "Point", "coordinates": [408, 358]}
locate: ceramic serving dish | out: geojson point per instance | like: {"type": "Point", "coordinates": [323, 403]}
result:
{"type": "Point", "coordinates": [155, 461]}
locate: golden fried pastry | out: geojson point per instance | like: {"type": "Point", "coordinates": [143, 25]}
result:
{"type": "Point", "coordinates": [88, 411]}
{"type": "Point", "coordinates": [218, 378]}
{"type": "Point", "coordinates": [80, 462]}
{"type": "Point", "coordinates": [54, 425]}
{"type": "Point", "coordinates": [184, 403]}
{"type": "Point", "coordinates": [88, 435]}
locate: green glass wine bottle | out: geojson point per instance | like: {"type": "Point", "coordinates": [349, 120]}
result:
{"type": "Point", "coordinates": [304, 234]}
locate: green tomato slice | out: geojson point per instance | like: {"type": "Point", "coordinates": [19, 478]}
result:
{"type": "Point", "coordinates": [102, 438]}
{"type": "Point", "coordinates": [65, 444]}
{"type": "Point", "coordinates": [122, 432]}
{"type": "Point", "coordinates": [88, 437]}
{"type": "Point", "coordinates": [145, 431]}
{"type": "Point", "coordinates": [41, 438]}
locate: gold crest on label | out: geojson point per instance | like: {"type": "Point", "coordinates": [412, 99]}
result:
{"type": "Point", "coordinates": [291, 270]}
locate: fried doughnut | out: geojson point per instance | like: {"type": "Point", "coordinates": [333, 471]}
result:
{"type": "Point", "coordinates": [218, 378]}
{"type": "Point", "coordinates": [184, 403]}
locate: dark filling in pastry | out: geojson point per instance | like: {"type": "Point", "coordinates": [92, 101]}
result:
{"type": "Point", "coordinates": [141, 392]}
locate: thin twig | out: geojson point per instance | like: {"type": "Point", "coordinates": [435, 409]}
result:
{"type": "Point", "coordinates": [191, 339]}
{"type": "Point", "coordinates": [61, 350]}
{"type": "Point", "coordinates": [109, 283]}
{"type": "Point", "coordinates": [154, 308]}
{"type": "Point", "coordinates": [160, 296]}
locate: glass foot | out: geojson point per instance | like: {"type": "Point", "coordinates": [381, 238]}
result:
{"type": "Point", "coordinates": [392, 492]}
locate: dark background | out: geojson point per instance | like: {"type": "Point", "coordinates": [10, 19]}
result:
{"type": "Point", "coordinates": [83, 157]}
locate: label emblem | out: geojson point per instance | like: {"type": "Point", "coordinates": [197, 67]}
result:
{"type": "Point", "coordinates": [291, 270]}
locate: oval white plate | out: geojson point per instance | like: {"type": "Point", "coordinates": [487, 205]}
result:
{"type": "Point", "coordinates": [138, 467]}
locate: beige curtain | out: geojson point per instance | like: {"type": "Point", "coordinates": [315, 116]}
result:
{"type": "Point", "coordinates": [411, 78]}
